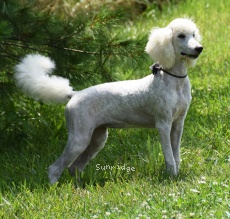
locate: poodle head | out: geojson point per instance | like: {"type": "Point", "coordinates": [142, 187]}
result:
{"type": "Point", "coordinates": [178, 41]}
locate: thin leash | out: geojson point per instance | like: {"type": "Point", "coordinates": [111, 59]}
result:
{"type": "Point", "coordinates": [156, 67]}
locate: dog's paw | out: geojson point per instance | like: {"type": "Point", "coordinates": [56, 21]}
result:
{"type": "Point", "coordinates": [72, 170]}
{"type": "Point", "coordinates": [53, 175]}
{"type": "Point", "coordinates": [171, 169]}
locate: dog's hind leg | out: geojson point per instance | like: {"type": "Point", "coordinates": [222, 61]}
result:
{"type": "Point", "coordinates": [97, 142]}
{"type": "Point", "coordinates": [79, 136]}
{"type": "Point", "coordinates": [81, 126]}
{"type": "Point", "coordinates": [75, 146]}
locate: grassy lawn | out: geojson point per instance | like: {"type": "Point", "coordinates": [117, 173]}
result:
{"type": "Point", "coordinates": [139, 188]}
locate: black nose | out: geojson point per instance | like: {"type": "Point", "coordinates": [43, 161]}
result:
{"type": "Point", "coordinates": [199, 49]}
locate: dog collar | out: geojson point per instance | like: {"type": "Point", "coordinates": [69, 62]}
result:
{"type": "Point", "coordinates": [155, 67]}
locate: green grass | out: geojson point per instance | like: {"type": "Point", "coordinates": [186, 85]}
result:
{"type": "Point", "coordinates": [202, 189]}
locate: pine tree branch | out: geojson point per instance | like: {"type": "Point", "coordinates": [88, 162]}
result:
{"type": "Point", "coordinates": [22, 46]}
{"type": "Point", "coordinates": [45, 44]}
{"type": "Point", "coordinates": [70, 49]}
{"type": "Point", "coordinates": [8, 54]}
{"type": "Point", "coordinates": [119, 44]}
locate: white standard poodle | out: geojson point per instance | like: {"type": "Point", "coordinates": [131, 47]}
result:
{"type": "Point", "coordinates": [159, 100]}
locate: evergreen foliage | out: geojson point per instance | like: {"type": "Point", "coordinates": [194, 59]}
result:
{"type": "Point", "coordinates": [86, 49]}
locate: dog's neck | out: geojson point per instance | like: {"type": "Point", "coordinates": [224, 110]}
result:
{"type": "Point", "coordinates": [180, 68]}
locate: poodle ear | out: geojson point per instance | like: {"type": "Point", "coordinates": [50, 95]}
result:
{"type": "Point", "coordinates": [160, 48]}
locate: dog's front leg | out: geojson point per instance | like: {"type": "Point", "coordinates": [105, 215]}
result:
{"type": "Point", "coordinates": [164, 132]}
{"type": "Point", "coordinates": [176, 134]}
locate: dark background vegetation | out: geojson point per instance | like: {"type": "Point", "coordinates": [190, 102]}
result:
{"type": "Point", "coordinates": [79, 36]}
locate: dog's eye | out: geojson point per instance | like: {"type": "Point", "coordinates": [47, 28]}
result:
{"type": "Point", "coordinates": [182, 36]}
